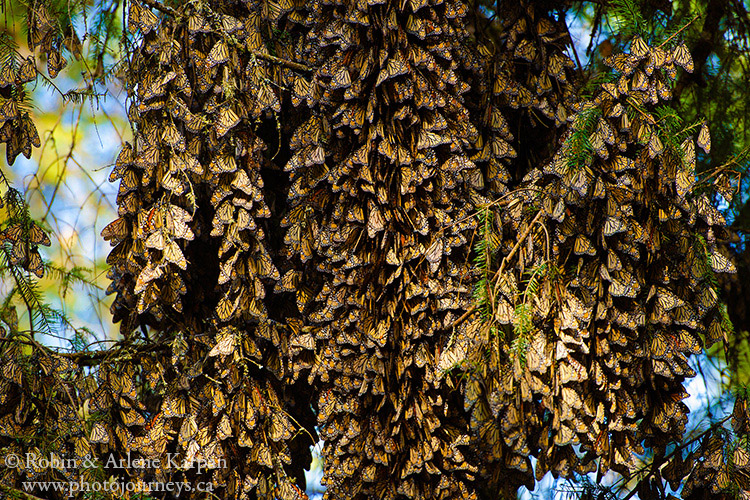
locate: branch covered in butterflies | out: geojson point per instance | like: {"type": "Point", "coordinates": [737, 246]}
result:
{"type": "Point", "coordinates": [268, 57]}
{"type": "Point", "coordinates": [677, 449]}
{"type": "Point", "coordinates": [513, 251]}
{"type": "Point", "coordinates": [283, 62]}
{"type": "Point", "coordinates": [507, 258]}
{"type": "Point", "coordinates": [91, 358]}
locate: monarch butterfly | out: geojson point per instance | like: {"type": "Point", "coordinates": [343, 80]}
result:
{"type": "Point", "coordinates": [219, 54]}
{"type": "Point", "coordinates": [223, 164]}
{"type": "Point", "coordinates": [640, 81]}
{"type": "Point", "coordinates": [684, 183]}
{"type": "Point", "coordinates": [715, 332]}
{"type": "Point", "coordinates": [99, 433]}
{"type": "Point", "coordinates": [525, 50]}
{"type": "Point", "coordinates": [181, 162]}
{"type": "Point", "coordinates": [659, 58]}
{"type": "Point", "coordinates": [124, 160]}
{"type": "Point", "coordinates": [147, 158]}
{"type": "Point", "coordinates": [148, 274]}
{"type": "Point", "coordinates": [394, 67]}
{"type": "Point", "coordinates": [638, 47]}
{"type": "Point", "coordinates": [704, 139]}
{"type": "Point", "coordinates": [663, 90]}
{"type": "Point", "coordinates": [176, 222]}
{"type": "Point", "coordinates": [131, 417]}
{"type": "Point", "coordinates": [683, 58]}
{"type": "Point", "coordinates": [616, 111]}
{"type": "Point", "coordinates": [597, 145]}
{"type": "Point", "coordinates": [614, 225]}
{"type": "Point", "coordinates": [604, 130]}
{"type": "Point", "coordinates": [140, 18]}
{"type": "Point", "coordinates": [55, 62]}
{"type": "Point", "coordinates": [35, 263]}
{"type": "Point", "coordinates": [8, 110]}
{"type": "Point", "coordinates": [712, 453]}
{"type": "Point", "coordinates": [193, 123]}
{"type": "Point", "coordinates": [721, 264]}
{"type": "Point", "coordinates": [301, 91]}
{"type": "Point", "coordinates": [27, 71]}
{"type": "Point", "coordinates": [416, 26]}
{"type": "Point", "coordinates": [218, 401]}
{"type": "Point", "coordinates": [7, 76]}
{"type": "Point", "coordinates": [570, 370]}
{"type": "Point", "coordinates": [582, 180]}
{"type": "Point", "coordinates": [622, 63]}
{"type": "Point", "coordinates": [687, 342]}
{"type": "Point", "coordinates": [707, 211]}
{"type": "Point", "coordinates": [706, 300]}
{"type": "Point", "coordinates": [198, 23]}
{"type": "Point", "coordinates": [375, 220]}
{"type": "Point", "coordinates": [583, 246]}
{"type": "Point", "coordinates": [655, 146]}
{"type": "Point", "coordinates": [172, 137]}
{"type": "Point", "coordinates": [173, 254]}
{"type": "Point", "coordinates": [659, 346]}
{"type": "Point", "coordinates": [226, 120]}
{"type": "Point", "coordinates": [685, 316]}
{"type": "Point", "coordinates": [668, 300]}
{"type": "Point", "coordinates": [116, 231]}
{"type": "Point", "coordinates": [226, 307]}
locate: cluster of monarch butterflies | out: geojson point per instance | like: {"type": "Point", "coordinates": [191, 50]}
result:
{"type": "Point", "coordinates": [24, 237]}
{"type": "Point", "coordinates": [20, 135]}
{"type": "Point", "coordinates": [191, 254]}
{"type": "Point", "coordinates": [713, 467]}
{"type": "Point", "coordinates": [383, 187]}
{"type": "Point", "coordinates": [17, 129]}
{"type": "Point", "coordinates": [611, 334]}
{"type": "Point", "coordinates": [44, 33]}
{"type": "Point", "coordinates": [398, 133]}
{"type": "Point", "coordinates": [35, 392]}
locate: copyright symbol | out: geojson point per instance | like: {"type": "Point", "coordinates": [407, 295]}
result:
{"type": "Point", "coordinates": [12, 461]}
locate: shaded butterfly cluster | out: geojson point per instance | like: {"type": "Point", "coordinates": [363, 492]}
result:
{"type": "Point", "coordinates": [385, 175]}
{"type": "Point", "coordinates": [532, 93]}
{"type": "Point", "coordinates": [17, 129]}
{"type": "Point", "coordinates": [24, 237]}
{"type": "Point", "coordinates": [614, 316]}
{"type": "Point", "coordinates": [19, 134]}
{"type": "Point", "coordinates": [191, 256]}
{"type": "Point", "coordinates": [363, 219]}
{"type": "Point", "coordinates": [39, 397]}
{"type": "Point", "coordinates": [380, 216]}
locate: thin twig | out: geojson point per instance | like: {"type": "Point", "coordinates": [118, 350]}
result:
{"type": "Point", "coordinates": [507, 258]}
{"type": "Point", "coordinates": [463, 317]}
{"type": "Point", "coordinates": [695, 18]}
{"type": "Point", "coordinates": [89, 358]}
{"type": "Point", "coordinates": [278, 60]}
{"type": "Point", "coordinates": [165, 9]}
{"type": "Point", "coordinates": [517, 246]}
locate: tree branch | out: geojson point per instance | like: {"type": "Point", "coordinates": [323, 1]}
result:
{"type": "Point", "coordinates": [14, 493]}
{"type": "Point", "coordinates": [707, 40]}
{"type": "Point", "coordinates": [164, 9]}
{"type": "Point", "coordinates": [282, 62]}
